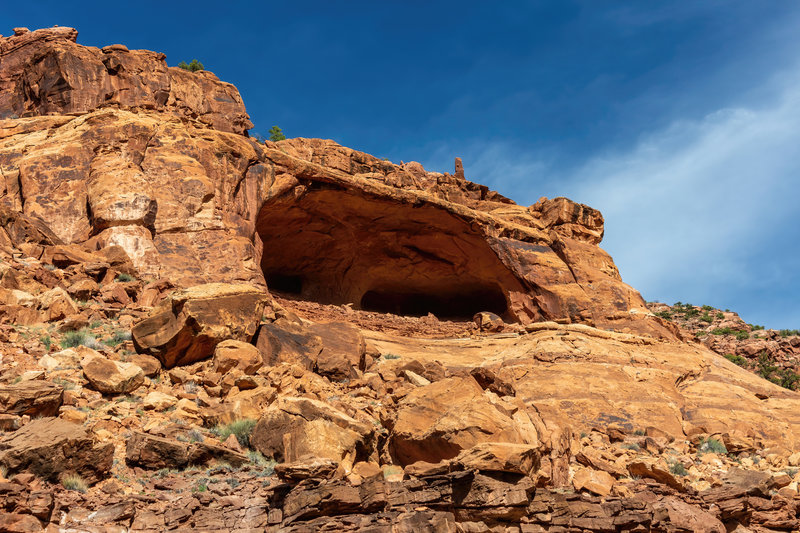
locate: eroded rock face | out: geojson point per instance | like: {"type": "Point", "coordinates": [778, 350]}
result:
{"type": "Point", "coordinates": [293, 428]}
{"type": "Point", "coordinates": [189, 325]}
{"type": "Point", "coordinates": [33, 398]}
{"type": "Point", "coordinates": [46, 73]}
{"type": "Point", "coordinates": [49, 447]}
{"type": "Point", "coordinates": [111, 377]}
{"type": "Point", "coordinates": [438, 421]}
{"type": "Point", "coordinates": [156, 162]}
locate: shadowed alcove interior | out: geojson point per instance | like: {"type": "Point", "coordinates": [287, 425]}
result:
{"type": "Point", "coordinates": [339, 246]}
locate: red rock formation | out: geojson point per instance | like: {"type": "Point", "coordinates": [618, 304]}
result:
{"type": "Point", "coordinates": [116, 148]}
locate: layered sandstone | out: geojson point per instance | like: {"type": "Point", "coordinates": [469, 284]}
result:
{"type": "Point", "coordinates": [137, 216]}
{"type": "Point", "coordinates": [112, 147]}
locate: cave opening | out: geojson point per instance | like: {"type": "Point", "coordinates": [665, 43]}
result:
{"type": "Point", "coordinates": [461, 304]}
{"type": "Point", "coordinates": [290, 284]}
{"type": "Point", "coordinates": [335, 246]}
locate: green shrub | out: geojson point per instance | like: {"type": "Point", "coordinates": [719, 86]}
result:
{"type": "Point", "coordinates": [707, 308]}
{"type": "Point", "coordinates": [789, 332]}
{"type": "Point", "coordinates": [667, 315]}
{"type": "Point", "coordinates": [47, 341]}
{"type": "Point", "coordinates": [194, 66]}
{"type": "Point", "coordinates": [118, 338]}
{"type": "Point", "coordinates": [241, 428]}
{"type": "Point", "coordinates": [787, 379]}
{"type": "Point", "coordinates": [740, 335]}
{"type": "Point", "coordinates": [711, 446]}
{"type": "Point", "coordinates": [767, 369]}
{"type": "Point", "coordinates": [736, 359]}
{"type": "Point", "coordinates": [276, 134]}
{"type": "Point", "coordinates": [78, 338]}
{"type": "Point", "coordinates": [720, 316]}
{"type": "Point", "coordinates": [756, 327]}
{"type": "Point", "coordinates": [706, 318]}
{"type": "Point", "coordinates": [74, 482]}
{"type": "Point", "coordinates": [678, 469]}
{"type": "Point", "coordinates": [125, 277]}
{"type": "Point", "coordinates": [391, 356]}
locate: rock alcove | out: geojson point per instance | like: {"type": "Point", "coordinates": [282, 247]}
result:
{"type": "Point", "coordinates": [341, 246]}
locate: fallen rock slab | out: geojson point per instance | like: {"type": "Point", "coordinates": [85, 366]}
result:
{"type": "Point", "coordinates": [33, 398]}
{"type": "Point", "coordinates": [49, 447]}
{"type": "Point", "coordinates": [111, 377]}
{"type": "Point", "coordinates": [190, 323]}
{"type": "Point", "coordinates": [153, 452]}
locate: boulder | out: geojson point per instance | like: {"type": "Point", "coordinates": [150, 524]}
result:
{"type": "Point", "coordinates": [158, 401]}
{"type": "Point", "coordinates": [50, 447]}
{"type": "Point", "coordinates": [595, 481]}
{"type": "Point", "coordinates": [32, 398]}
{"type": "Point", "coordinates": [652, 468]}
{"type": "Point", "coordinates": [111, 377]}
{"type": "Point", "coordinates": [150, 451]}
{"type": "Point", "coordinates": [438, 421]}
{"type": "Point", "coordinates": [292, 428]}
{"type": "Point", "coordinates": [500, 457]}
{"type": "Point", "coordinates": [308, 467]}
{"type": "Point", "coordinates": [334, 349]}
{"type": "Point", "coordinates": [287, 342]}
{"type": "Point", "coordinates": [149, 364]}
{"type": "Point", "coordinates": [232, 354]}
{"type": "Point", "coordinates": [57, 304]}
{"type": "Point", "coordinates": [240, 405]}
{"type": "Point", "coordinates": [343, 349]}
{"type": "Point", "coordinates": [190, 323]}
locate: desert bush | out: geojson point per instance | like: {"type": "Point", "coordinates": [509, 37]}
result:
{"type": "Point", "coordinates": [78, 338]}
{"type": "Point", "coordinates": [118, 338]}
{"type": "Point", "coordinates": [276, 134]}
{"type": "Point", "coordinates": [767, 369]}
{"type": "Point", "coordinates": [74, 482]}
{"type": "Point", "coordinates": [125, 277]}
{"type": "Point", "coordinates": [47, 341]}
{"type": "Point", "coordinates": [678, 469]}
{"type": "Point", "coordinates": [736, 359]}
{"type": "Point", "coordinates": [711, 446]}
{"type": "Point", "coordinates": [241, 428]}
{"type": "Point", "coordinates": [194, 66]}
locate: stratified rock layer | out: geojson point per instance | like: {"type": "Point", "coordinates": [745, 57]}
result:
{"type": "Point", "coordinates": [112, 147]}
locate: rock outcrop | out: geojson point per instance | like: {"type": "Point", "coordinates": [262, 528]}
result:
{"type": "Point", "coordinates": [189, 325]}
{"type": "Point", "coordinates": [328, 341]}
{"type": "Point", "coordinates": [156, 160]}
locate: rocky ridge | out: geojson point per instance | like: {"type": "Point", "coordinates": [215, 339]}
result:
{"type": "Point", "coordinates": [147, 385]}
{"type": "Point", "coordinates": [770, 353]}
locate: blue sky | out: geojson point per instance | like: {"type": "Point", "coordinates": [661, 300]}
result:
{"type": "Point", "coordinates": [678, 120]}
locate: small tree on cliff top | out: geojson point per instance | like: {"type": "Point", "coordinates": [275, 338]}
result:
{"type": "Point", "coordinates": [194, 66]}
{"type": "Point", "coordinates": [275, 134]}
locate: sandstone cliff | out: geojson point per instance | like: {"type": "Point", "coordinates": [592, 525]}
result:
{"type": "Point", "coordinates": [199, 331]}
{"type": "Point", "coordinates": [112, 147]}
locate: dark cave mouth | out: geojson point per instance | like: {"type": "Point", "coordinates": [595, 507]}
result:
{"type": "Point", "coordinates": [455, 305]}
{"type": "Point", "coordinates": [338, 247]}
{"type": "Point", "coordinates": [458, 303]}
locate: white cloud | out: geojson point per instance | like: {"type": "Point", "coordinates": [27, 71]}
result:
{"type": "Point", "coordinates": [705, 210]}
{"type": "Point", "coordinates": [689, 209]}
